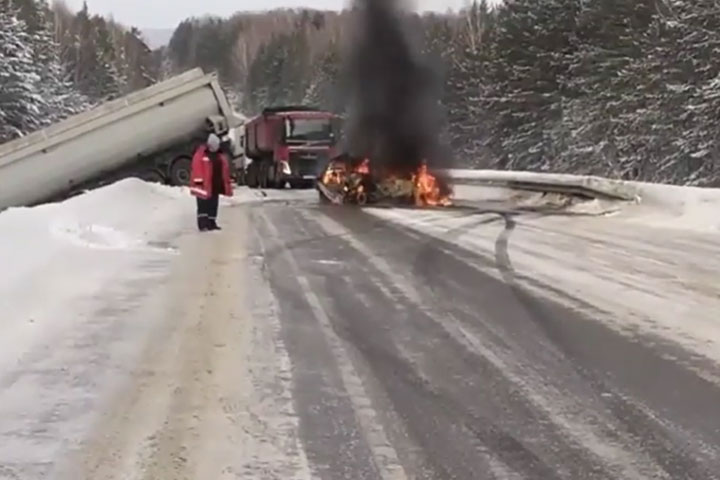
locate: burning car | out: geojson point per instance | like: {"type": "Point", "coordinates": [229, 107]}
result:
{"type": "Point", "coordinates": [352, 180]}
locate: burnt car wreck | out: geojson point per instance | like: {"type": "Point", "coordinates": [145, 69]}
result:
{"type": "Point", "coordinates": [356, 181]}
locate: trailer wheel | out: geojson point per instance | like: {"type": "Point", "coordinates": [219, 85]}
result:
{"type": "Point", "coordinates": [263, 175]}
{"type": "Point", "coordinates": [251, 175]}
{"type": "Point", "coordinates": [180, 171]}
{"type": "Point", "coordinates": [269, 176]}
{"type": "Point", "coordinates": [274, 177]}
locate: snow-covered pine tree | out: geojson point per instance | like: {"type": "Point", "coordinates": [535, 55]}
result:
{"type": "Point", "coordinates": [62, 97]}
{"type": "Point", "coordinates": [525, 76]}
{"type": "Point", "coordinates": [272, 65]}
{"type": "Point", "coordinates": [694, 92]}
{"type": "Point", "coordinates": [93, 74]}
{"type": "Point", "coordinates": [467, 84]}
{"type": "Point", "coordinates": [21, 104]}
{"type": "Point", "coordinates": [181, 48]}
{"type": "Point", "coordinates": [607, 86]}
{"type": "Point", "coordinates": [29, 11]}
{"type": "Point", "coordinates": [110, 56]}
{"type": "Point", "coordinates": [438, 49]}
{"type": "Point", "coordinates": [639, 74]}
{"type": "Point", "coordinates": [295, 69]}
{"type": "Point", "coordinates": [258, 91]}
{"type": "Point", "coordinates": [138, 68]}
{"type": "Point", "coordinates": [322, 85]}
{"type": "Point", "coordinates": [207, 43]}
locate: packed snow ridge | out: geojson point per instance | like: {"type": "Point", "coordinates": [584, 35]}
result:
{"type": "Point", "coordinates": [670, 206]}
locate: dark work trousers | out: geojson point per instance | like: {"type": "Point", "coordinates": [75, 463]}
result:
{"type": "Point", "coordinates": [207, 210]}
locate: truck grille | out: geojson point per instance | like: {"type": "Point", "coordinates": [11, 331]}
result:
{"type": "Point", "coordinates": [306, 164]}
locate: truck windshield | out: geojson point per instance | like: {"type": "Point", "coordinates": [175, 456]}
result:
{"type": "Point", "coordinates": [308, 129]}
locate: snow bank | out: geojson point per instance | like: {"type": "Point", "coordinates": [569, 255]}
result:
{"type": "Point", "coordinates": [678, 207]}
{"type": "Point", "coordinates": [129, 214]}
{"type": "Point", "coordinates": [669, 206]}
{"type": "Point", "coordinates": [58, 257]}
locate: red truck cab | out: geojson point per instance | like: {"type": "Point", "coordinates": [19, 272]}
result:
{"type": "Point", "coordinates": [289, 145]}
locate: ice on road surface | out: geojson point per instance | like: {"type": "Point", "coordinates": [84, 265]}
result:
{"type": "Point", "coordinates": [640, 269]}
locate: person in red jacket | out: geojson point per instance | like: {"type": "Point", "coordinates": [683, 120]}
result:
{"type": "Point", "coordinates": [210, 178]}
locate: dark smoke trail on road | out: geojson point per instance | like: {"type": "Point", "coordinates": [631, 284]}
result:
{"type": "Point", "coordinates": [394, 95]}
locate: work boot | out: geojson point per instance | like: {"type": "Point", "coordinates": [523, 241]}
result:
{"type": "Point", "coordinates": [203, 224]}
{"type": "Point", "coordinates": [213, 225]}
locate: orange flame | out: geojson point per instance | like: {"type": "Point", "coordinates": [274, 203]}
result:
{"type": "Point", "coordinates": [364, 167]}
{"type": "Point", "coordinates": [427, 191]}
{"type": "Point", "coordinates": [425, 187]}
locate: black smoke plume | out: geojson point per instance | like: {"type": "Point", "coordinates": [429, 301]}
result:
{"type": "Point", "coordinates": [393, 115]}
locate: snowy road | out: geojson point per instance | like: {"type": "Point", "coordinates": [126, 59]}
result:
{"type": "Point", "coordinates": [310, 342]}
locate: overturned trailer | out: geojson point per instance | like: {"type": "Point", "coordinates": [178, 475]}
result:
{"type": "Point", "coordinates": [357, 181]}
{"type": "Point", "coordinates": [151, 134]}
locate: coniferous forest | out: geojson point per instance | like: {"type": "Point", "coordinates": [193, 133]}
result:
{"type": "Point", "coordinates": [55, 62]}
{"type": "Point", "coordinates": [622, 88]}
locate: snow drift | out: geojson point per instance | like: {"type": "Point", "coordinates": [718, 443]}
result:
{"type": "Point", "coordinates": [62, 260]}
{"type": "Point", "coordinates": [677, 207]}
{"type": "Point", "coordinates": [128, 215]}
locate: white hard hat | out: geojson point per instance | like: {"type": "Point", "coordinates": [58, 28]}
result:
{"type": "Point", "coordinates": [213, 142]}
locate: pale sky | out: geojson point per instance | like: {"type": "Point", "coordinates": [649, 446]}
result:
{"type": "Point", "coordinates": [168, 13]}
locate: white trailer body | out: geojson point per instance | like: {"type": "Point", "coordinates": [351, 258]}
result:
{"type": "Point", "coordinates": [166, 117]}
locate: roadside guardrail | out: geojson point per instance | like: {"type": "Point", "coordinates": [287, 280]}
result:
{"type": "Point", "coordinates": [582, 185]}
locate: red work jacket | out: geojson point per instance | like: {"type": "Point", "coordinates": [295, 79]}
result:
{"type": "Point", "coordinates": [201, 176]}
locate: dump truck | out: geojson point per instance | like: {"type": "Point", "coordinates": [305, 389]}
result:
{"type": "Point", "coordinates": [289, 145]}
{"type": "Point", "coordinates": [150, 134]}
